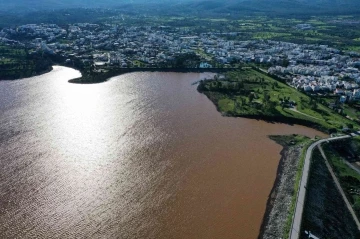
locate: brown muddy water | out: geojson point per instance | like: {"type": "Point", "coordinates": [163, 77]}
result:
{"type": "Point", "coordinates": [143, 155]}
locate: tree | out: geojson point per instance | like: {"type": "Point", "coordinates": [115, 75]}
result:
{"type": "Point", "coordinates": [243, 101]}
{"type": "Point", "coordinates": [314, 105]}
{"type": "Point", "coordinates": [251, 97]}
{"type": "Point", "coordinates": [266, 96]}
{"type": "Point", "coordinates": [187, 60]}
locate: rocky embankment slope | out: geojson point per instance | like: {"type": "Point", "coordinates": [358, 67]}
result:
{"type": "Point", "coordinates": [280, 198]}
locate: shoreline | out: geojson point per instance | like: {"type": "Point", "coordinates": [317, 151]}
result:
{"type": "Point", "coordinates": [279, 199]}
{"type": "Point", "coordinates": [282, 120]}
{"type": "Point", "coordinates": [268, 118]}
{"type": "Point", "coordinates": [272, 119]}
{"type": "Point", "coordinates": [104, 77]}
{"type": "Point", "coordinates": [272, 195]}
{"type": "Point", "coordinates": [100, 77]}
{"type": "Point", "coordinates": [51, 68]}
{"type": "Point", "coordinates": [286, 148]}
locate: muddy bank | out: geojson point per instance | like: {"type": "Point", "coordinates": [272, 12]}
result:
{"type": "Point", "coordinates": [279, 201]}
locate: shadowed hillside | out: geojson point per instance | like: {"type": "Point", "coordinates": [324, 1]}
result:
{"type": "Point", "coordinates": [215, 6]}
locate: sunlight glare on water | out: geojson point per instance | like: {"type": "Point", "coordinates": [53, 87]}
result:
{"type": "Point", "coordinates": [143, 155]}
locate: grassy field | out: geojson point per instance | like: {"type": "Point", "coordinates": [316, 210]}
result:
{"type": "Point", "coordinates": [325, 213]}
{"type": "Point", "coordinates": [350, 110]}
{"type": "Point", "coordinates": [290, 140]}
{"type": "Point", "coordinates": [250, 93]}
{"type": "Point", "coordinates": [330, 30]}
{"type": "Point", "coordinates": [15, 63]}
{"type": "Point", "coordinates": [336, 31]}
{"type": "Point", "coordinates": [349, 178]}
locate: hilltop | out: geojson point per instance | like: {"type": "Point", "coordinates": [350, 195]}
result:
{"type": "Point", "coordinates": [304, 7]}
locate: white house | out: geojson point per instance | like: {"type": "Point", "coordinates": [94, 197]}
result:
{"type": "Point", "coordinates": [356, 94]}
{"type": "Point", "coordinates": [307, 88]}
{"type": "Point", "coordinates": [339, 91]}
{"type": "Point", "coordinates": [310, 235]}
{"type": "Point", "coordinates": [315, 88]}
{"type": "Point", "coordinates": [205, 65]}
{"type": "Point", "coordinates": [343, 99]}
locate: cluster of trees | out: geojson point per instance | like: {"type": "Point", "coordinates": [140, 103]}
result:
{"type": "Point", "coordinates": [187, 60]}
{"type": "Point", "coordinates": [221, 86]}
{"type": "Point", "coordinates": [17, 62]}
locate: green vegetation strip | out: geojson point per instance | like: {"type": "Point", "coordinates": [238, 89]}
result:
{"type": "Point", "coordinates": [348, 178]}
{"type": "Point", "coordinates": [16, 62]}
{"type": "Point", "coordinates": [299, 173]}
{"type": "Point", "coordinates": [253, 94]}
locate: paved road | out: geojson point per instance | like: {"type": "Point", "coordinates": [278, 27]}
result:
{"type": "Point", "coordinates": [352, 166]}
{"type": "Point", "coordinates": [295, 110]}
{"type": "Point", "coordinates": [263, 70]}
{"type": "Point", "coordinates": [348, 205]}
{"type": "Point", "coordinates": [296, 224]}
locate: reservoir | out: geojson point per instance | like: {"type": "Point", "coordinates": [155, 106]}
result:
{"type": "Point", "coordinates": [143, 155]}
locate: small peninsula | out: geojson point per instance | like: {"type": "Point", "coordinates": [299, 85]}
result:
{"type": "Point", "coordinates": [250, 93]}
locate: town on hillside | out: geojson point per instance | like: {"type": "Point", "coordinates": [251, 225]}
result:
{"type": "Point", "coordinates": [314, 69]}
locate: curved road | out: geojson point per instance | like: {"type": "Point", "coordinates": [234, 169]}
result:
{"type": "Point", "coordinates": [295, 110]}
{"type": "Point", "coordinates": [337, 183]}
{"type": "Point", "coordinates": [297, 218]}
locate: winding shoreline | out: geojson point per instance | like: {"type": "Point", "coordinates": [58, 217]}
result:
{"type": "Point", "coordinates": [105, 76]}
{"type": "Point", "coordinates": [51, 68]}
{"type": "Point", "coordinates": [100, 77]}
{"type": "Point", "coordinates": [272, 119]}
